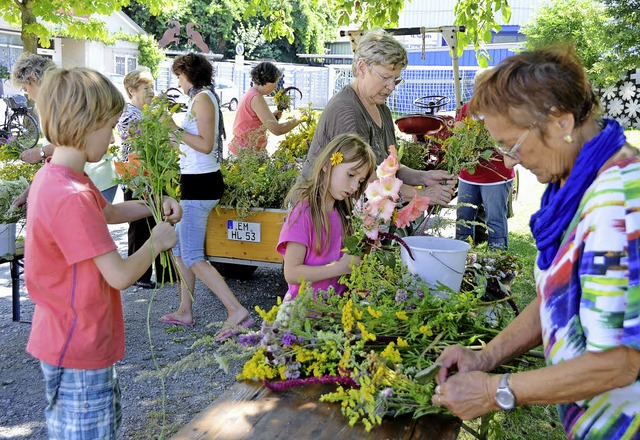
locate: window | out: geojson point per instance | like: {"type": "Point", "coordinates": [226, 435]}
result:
{"type": "Point", "coordinates": [125, 64]}
{"type": "Point", "coordinates": [120, 65]}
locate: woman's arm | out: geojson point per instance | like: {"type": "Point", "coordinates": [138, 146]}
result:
{"type": "Point", "coordinates": [295, 271]}
{"type": "Point", "coordinates": [259, 105]}
{"type": "Point", "coordinates": [469, 395]}
{"type": "Point", "coordinates": [206, 117]}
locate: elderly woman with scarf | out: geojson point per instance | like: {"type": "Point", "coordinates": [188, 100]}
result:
{"type": "Point", "coordinates": [541, 109]}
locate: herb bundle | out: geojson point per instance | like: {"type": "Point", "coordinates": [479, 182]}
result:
{"type": "Point", "coordinates": [372, 341]}
{"type": "Point", "coordinates": [469, 144]}
{"type": "Point", "coordinates": [153, 169]}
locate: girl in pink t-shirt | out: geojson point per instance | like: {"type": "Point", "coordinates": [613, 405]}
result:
{"type": "Point", "coordinates": [254, 118]}
{"type": "Point", "coordinates": [311, 238]}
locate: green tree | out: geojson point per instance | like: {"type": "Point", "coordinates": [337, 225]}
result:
{"type": "Point", "coordinates": [583, 23]}
{"type": "Point", "coordinates": [43, 19]}
{"type": "Point", "coordinates": [623, 33]}
{"type": "Point", "coordinates": [478, 16]}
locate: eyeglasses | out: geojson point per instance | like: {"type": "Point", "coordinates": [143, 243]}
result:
{"type": "Point", "coordinates": [511, 153]}
{"type": "Point", "coordinates": [387, 80]}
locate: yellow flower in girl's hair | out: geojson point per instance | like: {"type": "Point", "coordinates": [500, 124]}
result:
{"type": "Point", "coordinates": [336, 158]}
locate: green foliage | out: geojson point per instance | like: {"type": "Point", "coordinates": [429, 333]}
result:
{"type": "Point", "coordinates": [469, 143]}
{"type": "Point", "coordinates": [41, 20]}
{"type": "Point", "coordinates": [413, 154]}
{"type": "Point", "coordinates": [9, 190]}
{"type": "Point", "coordinates": [296, 143]}
{"type": "Point", "coordinates": [256, 180]}
{"type": "Point", "coordinates": [151, 55]}
{"type": "Point", "coordinates": [152, 170]}
{"type": "Point", "coordinates": [478, 17]}
{"type": "Point", "coordinates": [584, 24]}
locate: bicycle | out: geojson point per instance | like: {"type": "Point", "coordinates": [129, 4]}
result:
{"type": "Point", "coordinates": [19, 125]}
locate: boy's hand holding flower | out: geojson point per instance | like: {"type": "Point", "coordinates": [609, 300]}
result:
{"type": "Point", "coordinates": [171, 209]}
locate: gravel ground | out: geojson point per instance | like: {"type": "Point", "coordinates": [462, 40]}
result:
{"type": "Point", "coordinates": [22, 400]}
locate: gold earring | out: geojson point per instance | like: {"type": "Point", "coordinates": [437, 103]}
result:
{"type": "Point", "coordinates": [568, 139]}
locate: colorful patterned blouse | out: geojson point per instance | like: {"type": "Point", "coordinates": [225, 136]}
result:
{"type": "Point", "coordinates": [590, 298]}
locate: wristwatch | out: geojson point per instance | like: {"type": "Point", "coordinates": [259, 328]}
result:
{"type": "Point", "coordinates": [43, 155]}
{"type": "Point", "coordinates": [504, 396]}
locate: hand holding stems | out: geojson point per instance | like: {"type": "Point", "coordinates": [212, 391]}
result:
{"type": "Point", "coordinates": [347, 262]}
{"type": "Point", "coordinates": [171, 209]}
{"type": "Point", "coordinates": [470, 392]}
{"type": "Point", "coordinates": [163, 236]}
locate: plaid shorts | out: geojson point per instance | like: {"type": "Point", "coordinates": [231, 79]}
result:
{"type": "Point", "coordinates": [82, 404]}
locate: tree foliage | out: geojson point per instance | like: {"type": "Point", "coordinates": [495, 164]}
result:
{"type": "Point", "coordinates": [603, 36]}
{"type": "Point", "coordinates": [623, 32]}
{"type": "Point", "coordinates": [43, 19]}
{"type": "Point", "coordinates": [478, 16]}
{"type": "Point", "coordinates": [479, 19]}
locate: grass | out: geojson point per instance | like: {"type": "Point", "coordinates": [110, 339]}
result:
{"type": "Point", "coordinates": [534, 422]}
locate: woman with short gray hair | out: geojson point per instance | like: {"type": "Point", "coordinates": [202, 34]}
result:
{"type": "Point", "coordinates": [360, 108]}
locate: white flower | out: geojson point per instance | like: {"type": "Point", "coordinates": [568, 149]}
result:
{"type": "Point", "coordinates": [609, 92]}
{"type": "Point", "coordinates": [628, 91]}
{"type": "Point", "coordinates": [624, 121]}
{"type": "Point", "coordinates": [616, 106]}
{"type": "Point", "coordinates": [633, 108]}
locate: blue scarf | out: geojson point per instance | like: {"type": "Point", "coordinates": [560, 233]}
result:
{"type": "Point", "coordinates": [559, 204]}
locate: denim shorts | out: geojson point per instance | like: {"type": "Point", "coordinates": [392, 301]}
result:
{"type": "Point", "coordinates": [82, 404]}
{"type": "Point", "coordinates": [192, 229]}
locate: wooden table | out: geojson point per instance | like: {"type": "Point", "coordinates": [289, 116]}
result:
{"type": "Point", "coordinates": [16, 265]}
{"type": "Point", "coordinates": [250, 411]}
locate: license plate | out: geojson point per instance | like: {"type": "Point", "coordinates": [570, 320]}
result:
{"type": "Point", "coordinates": [243, 231]}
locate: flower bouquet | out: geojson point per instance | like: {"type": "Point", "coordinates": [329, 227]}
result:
{"type": "Point", "coordinates": [469, 144]}
{"type": "Point", "coordinates": [152, 170]}
{"type": "Point", "coordinates": [372, 342]}
{"type": "Point", "coordinates": [253, 179]}
{"type": "Point", "coordinates": [376, 339]}
{"type": "Point", "coordinates": [282, 97]}
{"type": "Point", "coordinates": [375, 218]}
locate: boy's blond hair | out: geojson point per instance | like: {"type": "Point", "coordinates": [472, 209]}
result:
{"type": "Point", "coordinates": [74, 102]}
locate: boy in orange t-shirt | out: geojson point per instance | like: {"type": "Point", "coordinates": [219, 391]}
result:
{"type": "Point", "coordinates": [74, 271]}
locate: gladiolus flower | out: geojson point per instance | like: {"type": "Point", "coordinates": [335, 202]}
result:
{"type": "Point", "coordinates": [390, 165]}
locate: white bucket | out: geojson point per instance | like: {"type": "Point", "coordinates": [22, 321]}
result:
{"type": "Point", "coordinates": [436, 259]}
{"type": "Point", "coordinates": [7, 239]}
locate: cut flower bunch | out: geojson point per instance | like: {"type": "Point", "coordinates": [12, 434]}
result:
{"type": "Point", "coordinates": [469, 143]}
{"type": "Point", "coordinates": [375, 339]}
{"type": "Point", "coordinates": [372, 341]}
{"type": "Point", "coordinates": [381, 211]}
{"type": "Point", "coordinates": [153, 169]}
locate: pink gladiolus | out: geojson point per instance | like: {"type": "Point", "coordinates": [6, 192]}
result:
{"type": "Point", "coordinates": [372, 235]}
{"type": "Point", "coordinates": [390, 165]}
{"type": "Point", "coordinates": [412, 211]}
{"type": "Point", "coordinates": [390, 187]}
{"type": "Point", "coordinates": [383, 208]}
{"type": "Point", "coordinates": [374, 191]}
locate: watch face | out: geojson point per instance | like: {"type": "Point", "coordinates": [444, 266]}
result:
{"type": "Point", "coordinates": [505, 399]}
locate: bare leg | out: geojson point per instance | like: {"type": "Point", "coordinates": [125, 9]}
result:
{"type": "Point", "coordinates": [187, 287]}
{"type": "Point", "coordinates": [214, 281]}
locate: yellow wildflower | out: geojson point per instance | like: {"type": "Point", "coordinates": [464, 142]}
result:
{"type": "Point", "coordinates": [336, 158]}
{"type": "Point", "coordinates": [374, 312]}
{"type": "Point", "coordinates": [426, 330]}
{"type": "Point", "coordinates": [401, 314]}
{"type": "Point", "coordinates": [402, 342]}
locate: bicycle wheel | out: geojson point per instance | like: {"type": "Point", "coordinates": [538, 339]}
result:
{"type": "Point", "coordinates": [24, 129]}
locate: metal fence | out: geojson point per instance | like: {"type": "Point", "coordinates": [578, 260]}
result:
{"type": "Point", "coordinates": [319, 84]}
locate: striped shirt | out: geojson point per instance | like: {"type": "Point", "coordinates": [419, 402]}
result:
{"type": "Point", "coordinates": [590, 298]}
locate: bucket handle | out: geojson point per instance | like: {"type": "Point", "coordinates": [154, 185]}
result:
{"type": "Point", "coordinates": [445, 264]}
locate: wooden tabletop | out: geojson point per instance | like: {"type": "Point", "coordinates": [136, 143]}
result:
{"type": "Point", "coordinates": [247, 410]}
